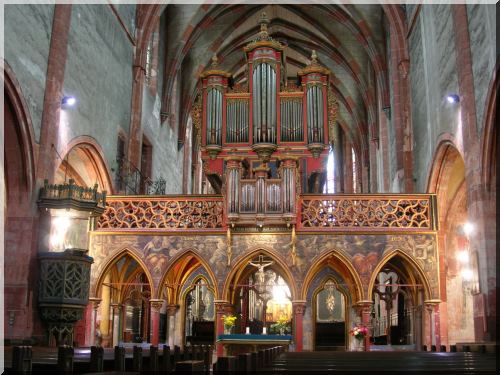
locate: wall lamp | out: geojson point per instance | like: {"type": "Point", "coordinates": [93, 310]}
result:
{"type": "Point", "coordinates": [68, 101]}
{"type": "Point", "coordinates": [452, 98]}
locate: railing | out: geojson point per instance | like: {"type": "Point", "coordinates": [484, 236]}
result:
{"type": "Point", "coordinates": [167, 212]}
{"type": "Point", "coordinates": [131, 181]}
{"type": "Point", "coordinates": [374, 212]}
{"type": "Point", "coordinates": [70, 191]}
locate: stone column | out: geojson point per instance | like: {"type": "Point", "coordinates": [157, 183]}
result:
{"type": "Point", "coordinates": [171, 310]}
{"type": "Point", "coordinates": [115, 337]}
{"type": "Point", "coordinates": [365, 309]}
{"type": "Point", "coordinates": [54, 82]}
{"type": "Point", "coordinates": [156, 305]}
{"type": "Point", "coordinates": [299, 307]}
{"type": "Point", "coordinates": [222, 308]}
{"type": "Point", "coordinates": [95, 306]}
{"type": "Point", "coordinates": [432, 308]}
{"type": "Point", "coordinates": [348, 175]}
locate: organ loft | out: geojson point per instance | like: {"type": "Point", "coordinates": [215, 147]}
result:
{"type": "Point", "coordinates": [314, 177]}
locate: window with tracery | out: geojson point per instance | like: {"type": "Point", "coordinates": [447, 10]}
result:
{"type": "Point", "coordinates": [329, 187]}
{"type": "Point", "coordinates": [354, 172]}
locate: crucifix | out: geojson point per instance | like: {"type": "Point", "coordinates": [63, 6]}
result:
{"type": "Point", "coordinates": [387, 290]}
{"type": "Point", "coordinates": [260, 283]}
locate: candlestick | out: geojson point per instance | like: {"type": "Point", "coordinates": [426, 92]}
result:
{"type": "Point", "coordinates": [247, 331]}
{"type": "Point", "coordinates": [264, 331]}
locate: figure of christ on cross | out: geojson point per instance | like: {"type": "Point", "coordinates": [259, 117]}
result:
{"type": "Point", "coordinates": [260, 283]}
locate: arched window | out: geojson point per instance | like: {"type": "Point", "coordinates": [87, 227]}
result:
{"type": "Point", "coordinates": [329, 187]}
{"type": "Point", "coordinates": [354, 172]}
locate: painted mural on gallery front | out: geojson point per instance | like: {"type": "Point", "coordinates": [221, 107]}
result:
{"type": "Point", "coordinates": [363, 252]}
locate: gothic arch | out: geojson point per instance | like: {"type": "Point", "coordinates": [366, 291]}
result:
{"type": "Point", "coordinates": [489, 135]}
{"type": "Point", "coordinates": [176, 261]}
{"type": "Point", "coordinates": [90, 161]}
{"type": "Point", "coordinates": [96, 289]}
{"type": "Point", "coordinates": [347, 271]}
{"type": "Point", "coordinates": [242, 262]}
{"type": "Point", "coordinates": [408, 261]}
{"type": "Point", "coordinates": [25, 143]}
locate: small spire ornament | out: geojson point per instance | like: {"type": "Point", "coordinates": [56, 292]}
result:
{"type": "Point", "coordinates": [215, 61]}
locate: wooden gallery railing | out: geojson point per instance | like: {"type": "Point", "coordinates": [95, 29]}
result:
{"type": "Point", "coordinates": [188, 212]}
{"type": "Point", "coordinates": [328, 213]}
{"type": "Point", "coordinates": [372, 212]}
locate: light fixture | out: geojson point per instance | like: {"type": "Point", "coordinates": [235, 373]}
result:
{"type": "Point", "coordinates": [68, 101]}
{"type": "Point", "coordinates": [467, 274]}
{"type": "Point", "coordinates": [468, 228]}
{"type": "Point", "coordinates": [463, 256]}
{"type": "Point", "coordinates": [452, 98]}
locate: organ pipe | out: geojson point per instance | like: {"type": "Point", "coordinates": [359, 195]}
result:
{"type": "Point", "coordinates": [264, 103]}
{"type": "Point", "coordinates": [214, 116]}
{"type": "Point", "coordinates": [315, 114]}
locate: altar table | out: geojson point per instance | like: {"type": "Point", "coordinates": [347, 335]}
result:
{"type": "Point", "coordinates": [237, 342]}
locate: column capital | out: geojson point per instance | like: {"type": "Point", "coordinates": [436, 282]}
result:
{"type": "Point", "coordinates": [432, 304]}
{"type": "Point", "coordinates": [299, 306]}
{"type": "Point", "coordinates": [156, 304]}
{"type": "Point", "coordinates": [116, 306]}
{"type": "Point", "coordinates": [172, 309]}
{"type": "Point", "coordinates": [95, 302]}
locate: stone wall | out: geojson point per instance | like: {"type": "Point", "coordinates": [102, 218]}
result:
{"type": "Point", "coordinates": [433, 76]}
{"type": "Point", "coordinates": [99, 74]}
{"type": "Point", "coordinates": [27, 39]}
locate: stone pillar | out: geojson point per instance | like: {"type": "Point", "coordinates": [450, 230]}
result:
{"type": "Point", "coordinates": [299, 307]}
{"type": "Point", "coordinates": [54, 82]}
{"type": "Point", "coordinates": [365, 309]}
{"type": "Point", "coordinates": [171, 310]}
{"type": "Point", "coordinates": [432, 308]}
{"type": "Point", "coordinates": [116, 323]}
{"type": "Point", "coordinates": [337, 158]}
{"type": "Point", "coordinates": [156, 305]}
{"type": "Point", "coordinates": [222, 308]}
{"type": "Point", "coordinates": [95, 306]}
{"type": "Point", "coordinates": [348, 175]}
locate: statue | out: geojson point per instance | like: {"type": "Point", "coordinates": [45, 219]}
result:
{"type": "Point", "coordinates": [260, 274]}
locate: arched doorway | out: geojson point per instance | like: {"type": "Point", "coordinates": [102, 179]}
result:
{"type": "Point", "coordinates": [189, 293]}
{"type": "Point", "coordinates": [260, 294]}
{"type": "Point", "coordinates": [199, 312]}
{"type": "Point", "coordinates": [124, 313]}
{"type": "Point", "coordinates": [398, 292]}
{"type": "Point", "coordinates": [331, 279]}
{"type": "Point", "coordinates": [330, 315]}
{"type": "Point", "coordinates": [459, 281]}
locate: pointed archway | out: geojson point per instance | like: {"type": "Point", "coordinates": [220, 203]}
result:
{"type": "Point", "coordinates": [400, 293]}
{"type": "Point", "coordinates": [189, 290]}
{"type": "Point", "coordinates": [125, 289]}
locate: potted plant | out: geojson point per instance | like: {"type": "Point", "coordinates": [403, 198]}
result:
{"type": "Point", "coordinates": [229, 321]}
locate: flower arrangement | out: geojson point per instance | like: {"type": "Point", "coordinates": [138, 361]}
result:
{"type": "Point", "coordinates": [229, 321]}
{"type": "Point", "coordinates": [359, 332]}
{"type": "Point", "coordinates": [281, 324]}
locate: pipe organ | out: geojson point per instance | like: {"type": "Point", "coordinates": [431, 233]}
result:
{"type": "Point", "coordinates": [255, 135]}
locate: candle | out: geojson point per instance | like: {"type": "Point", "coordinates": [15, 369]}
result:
{"type": "Point", "coordinates": [247, 331]}
{"type": "Point", "coordinates": [264, 331]}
